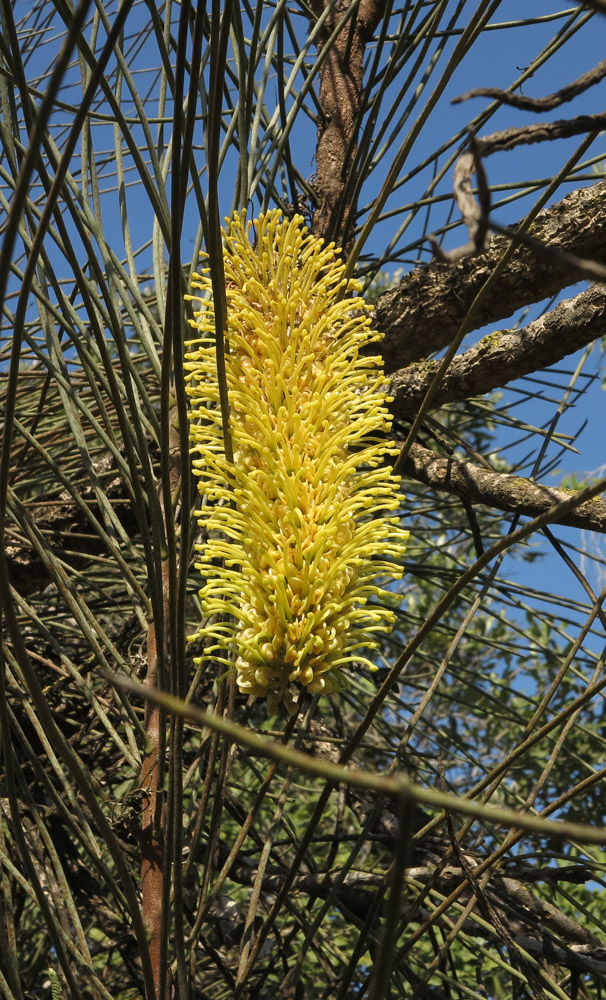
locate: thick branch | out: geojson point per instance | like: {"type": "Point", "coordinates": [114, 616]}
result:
{"type": "Point", "coordinates": [495, 489]}
{"type": "Point", "coordinates": [341, 92]}
{"type": "Point", "coordinates": [425, 311]}
{"type": "Point", "coordinates": [506, 355]}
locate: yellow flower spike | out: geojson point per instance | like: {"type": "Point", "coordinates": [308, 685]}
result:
{"type": "Point", "coordinates": [300, 529]}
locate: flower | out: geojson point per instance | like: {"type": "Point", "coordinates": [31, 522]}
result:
{"type": "Point", "coordinates": [302, 527]}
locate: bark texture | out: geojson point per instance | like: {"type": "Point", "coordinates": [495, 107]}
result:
{"type": "Point", "coordinates": [506, 355]}
{"type": "Point", "coordinates": [423, 314]}
{"type": "Point", "coordinates": [496, 489]}
{"type": "Point", "coordinates": [341, 92]}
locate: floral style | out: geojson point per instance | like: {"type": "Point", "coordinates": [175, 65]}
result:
{"type": "Point", "coordinates": [301, 529]}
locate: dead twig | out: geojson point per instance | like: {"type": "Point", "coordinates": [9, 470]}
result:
{"type": "Point", "coordinates": [539, 104]}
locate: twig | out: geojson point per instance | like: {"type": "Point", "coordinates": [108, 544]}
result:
{"type": "Point", "coordinates": [526, 135]}
{"type": "Point", "coordinates": [476, 214]}
{"type": "Point", "coordinates": [539, 104]}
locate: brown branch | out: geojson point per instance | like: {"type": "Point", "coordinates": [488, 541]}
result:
{"type": "Point", "coordinates": [153, 848]}
{"type": "Point", "coordinates": [522, 901]}
{"type": "Point", "coordinates": [573, 874]}
{"type": "Point", "coordinates": [500, 490]}
{"type": "Point", "coordinates": [505, 355]}
{"type": "Point", "coordinates": [341, 92]}
{"type": "Point", "coordinates": [527, 916]}
{"type": "Point", "coordinates": [476, 216]}
{"type": "Point", "coordinates": [527, 135]}
{"type": "Point", "coordinates": [539, 104]}
{"type": "Point", "coordinates": [423, 314]}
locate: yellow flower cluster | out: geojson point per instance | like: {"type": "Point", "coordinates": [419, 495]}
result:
{"type": "Point", "coordinates": [301, 526]}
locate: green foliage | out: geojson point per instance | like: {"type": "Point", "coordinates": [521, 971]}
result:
{"type": "Point", "coordinates": [141, 855]}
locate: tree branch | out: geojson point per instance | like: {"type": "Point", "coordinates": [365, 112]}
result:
{"type": "Point", "coordinates": [341, 93]}
{"type": "Point", "coordinates": [506, 355]}
{"type": "Point", "coordinates": [540, 104]}
{"type": "Point", "coordinates": [495, 489]}
{"type": "Point", "coordinates": [423, 314]}
{"type": "Point", "coordinates": [564, 941]}
{"type": "Point", "coordinates": [527, 135]}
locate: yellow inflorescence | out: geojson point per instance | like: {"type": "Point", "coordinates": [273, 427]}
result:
{"type": "Point", "coordinates": [299, 529]}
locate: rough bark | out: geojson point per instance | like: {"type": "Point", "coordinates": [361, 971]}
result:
{"type": "Point", "coordinates": [341, 92]}
{"type": "Point", "coordinates": [506, 355]}
{"type": "Point", "coordinates": [152, 847]}
{"type": "Point", "coordinates": [496, 489]}
{"type": "Point", "coordinates": [424, 312]}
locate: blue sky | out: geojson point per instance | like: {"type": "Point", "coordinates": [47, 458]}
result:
{"type": "Point", "coordinates": [496, 59]}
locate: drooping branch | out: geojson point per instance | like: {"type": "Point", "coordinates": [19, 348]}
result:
{"type": "Point", "coordinates": [475, 214]}
{"type": "Point", "coordinates": [424, 312]}
{"type": "Point", "coordinates": [495, 489]}
{"type": "Point", "coordinates": [506, 355]}
{"type": "Point", "coordinates": [481, 226]}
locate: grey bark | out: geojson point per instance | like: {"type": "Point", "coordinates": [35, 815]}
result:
{"type": "Point", "coordinates": [505, 355]}
{"type": "Point", "coordinates": [496, 489]}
